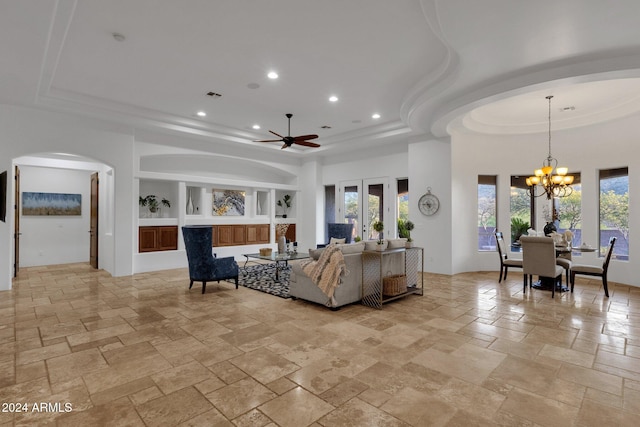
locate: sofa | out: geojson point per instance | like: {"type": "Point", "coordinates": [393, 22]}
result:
{"type": "Point", "coordinates": [350, 288]}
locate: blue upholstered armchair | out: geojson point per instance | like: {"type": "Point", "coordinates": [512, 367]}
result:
{"type": "Point", "coordinates": [338, 231]}
{"type": "Point", "coordinates": [203, 267]}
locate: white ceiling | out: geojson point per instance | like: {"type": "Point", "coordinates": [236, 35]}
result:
{"type": "Point", "coordinates": [424, 65]}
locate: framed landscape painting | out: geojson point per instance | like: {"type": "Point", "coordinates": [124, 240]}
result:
{"type": "Point", "coordinates": [51, 204]}
{"type": "Point", "coordinates": [227, 203]}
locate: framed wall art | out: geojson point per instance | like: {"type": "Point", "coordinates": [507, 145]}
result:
{"type": "Point", "coordinates": [227, 202]}
{"type": "Point", "coordinates": [51, 204]}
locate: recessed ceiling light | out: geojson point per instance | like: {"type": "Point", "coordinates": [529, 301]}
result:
{"type": "Point", "coordinates": [375, 116]}
{"type": "Point", "coordinates": [201, 114]}
{"type": "Point", "coordinates": [325, 127]}
{"type": "Point", "coordinates": [272, 75]}
{"type": "Point", "coordinates": [118, 37]}
{"type": "Point", "coordinates": [256, 127]}
{"type": "Point", "coordinates": [333, 98]}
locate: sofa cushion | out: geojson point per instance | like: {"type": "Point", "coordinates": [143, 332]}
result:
{"type": "Point", "coordinates": [352, 248]}
{"type": "Point", "coordinates": [372, 245]}
{"type": "Point", "coordinates": [397, 243]}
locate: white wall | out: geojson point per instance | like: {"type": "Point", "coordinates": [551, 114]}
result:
{"type": "Point", "coordinates": [26, 132]}
{"type": "Point", "coordinates": [47, 240]}
{"type": "Point", "coordinates": [585, 150]}
{"type": "Point", "coordinates": [430, 166]}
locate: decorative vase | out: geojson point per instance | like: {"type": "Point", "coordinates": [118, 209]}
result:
{"type": "Point", "coordinates": [408, 245]}
{"type": "Point", "coordinates": [282, 245]}
{"type": "Point", "coordinates": [189, 205]}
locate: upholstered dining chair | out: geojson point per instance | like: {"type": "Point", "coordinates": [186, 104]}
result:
{"type": "Point", "coordinates": [595, 270]}
{"type": "Point", "coordinates": [505, 261]}
{"type": "Point", "coordinates": [539, 257]}
{"type": "Point", "coordinates": [203, 266]}
{"type": "Point", "coordinates": [564, 259]}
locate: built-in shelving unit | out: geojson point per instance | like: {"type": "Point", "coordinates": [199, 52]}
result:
{"type": "Point", "coordinates": [191, 204]}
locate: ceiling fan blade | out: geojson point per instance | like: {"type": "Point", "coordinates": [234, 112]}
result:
{"type": "Point", "coordinates": [267, 140]}
{"type": "Point", "coordinates": [303, 137]}
{"type": "Point", "coordinates": [284, 146]}
{"type": "Point", "coordinates": [277, 134]}
{"type": "Point", "coordinates": [307, 144]}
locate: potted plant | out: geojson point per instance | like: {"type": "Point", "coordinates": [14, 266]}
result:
{"type": "Point", "coordinates": [285, 204]}
{"type": "Point", "coordinates": [379, 227]}
{"type": "Point", "coordinates": [357, 239]}
{"type": "Point", "coordinates": [408, 226]}
{"type": "Point", "coordinates": [152, 203]}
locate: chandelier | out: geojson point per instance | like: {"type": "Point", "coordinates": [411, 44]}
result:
{"type": "Point", "coordinates": [553, 179]}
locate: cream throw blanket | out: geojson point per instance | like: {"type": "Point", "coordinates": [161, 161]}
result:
{"type": "Point", "coordinates": [326, 271]}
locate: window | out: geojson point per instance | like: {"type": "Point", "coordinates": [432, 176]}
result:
{"type": "Point", "coordinates": [403, 199]}
{"type": "Point", "coordinates": [521, 208]}
{"type": "Point", "coordinates": [329, 208]}
{"type": "Point", "coordinates": [487, 203]}
{"type": "Point", "coordinates": [614, 211]}
{"type": "Point", "coordinates": [568, 212]}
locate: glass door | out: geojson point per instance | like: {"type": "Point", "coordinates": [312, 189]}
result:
{"type": "Point", "coordinates": [363, 203]}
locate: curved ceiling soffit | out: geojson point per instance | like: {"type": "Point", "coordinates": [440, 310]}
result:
{"type": "Point", "coordinates": [193, 164]}
{"type": "Point", "coordinates": [584, 69]}
{"type": "Point", "coordinates": [436, 81]}
{"type": "Point", "coordinates": [64, 160]}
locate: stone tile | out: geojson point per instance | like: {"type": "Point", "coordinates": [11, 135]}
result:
{"type": "Point", "coordinates": [591, 378]}
{"type": "Point", "coordinates": [419, 409]}
{"type": "Point", "coordinates": [70, 366]}
{"type": "Point", "coordinates": [240, 397]}
{"type": "Point", "coordinates": [359, 413]}
{"type": "Point", "coordinates": [280, 408]}
{"type": "Point", "coordinates": [264, 365]}
{"type": "Point", "coordinates": [469, 362]}
{"type": "Point", "coordinates": [540, 410]}
{"type": "Point", "coordinates": [183, 376]}
{"type": "Point", "coordinates": [174, 408]}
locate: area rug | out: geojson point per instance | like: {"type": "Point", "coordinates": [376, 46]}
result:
{"type": "Point", "coordinates": [263, 278]}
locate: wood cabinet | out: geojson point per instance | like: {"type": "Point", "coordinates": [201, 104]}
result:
{"type": "Point", "coordinates": [257, 233]}
{"type": "Point", "coordinates": [157, 238]}
{"type": "Point", "coordinates": [240, 234]}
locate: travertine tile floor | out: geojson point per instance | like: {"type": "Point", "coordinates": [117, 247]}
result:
{"type": "Point", "coordinates": [143, 350]}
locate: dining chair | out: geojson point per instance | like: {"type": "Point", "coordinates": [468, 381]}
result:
{"type": "Point", "coordinates": [505, 262]}
{"type": "Point", "coordinates": [539, 257]}
{"type": "Point", "coordinates": [594, 270]}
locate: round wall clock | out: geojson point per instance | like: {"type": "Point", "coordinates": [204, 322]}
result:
{"type": "Point", "coordinates": [428, 203]}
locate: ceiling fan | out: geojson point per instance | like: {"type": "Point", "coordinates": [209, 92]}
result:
{"type": "Point", "coordinates": [290, 140]}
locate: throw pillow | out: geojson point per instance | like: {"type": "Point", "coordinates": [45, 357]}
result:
{"type": "Point", "coordinates": [314, 254]}
{"type": "Point", "coordinates": [336, 241]}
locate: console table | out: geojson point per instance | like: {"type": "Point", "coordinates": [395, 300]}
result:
{"type": "Point", "coordinates": [373, 274]}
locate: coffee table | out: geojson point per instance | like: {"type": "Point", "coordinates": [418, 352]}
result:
{"type": "Point", "coordinates": [281, 260]}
